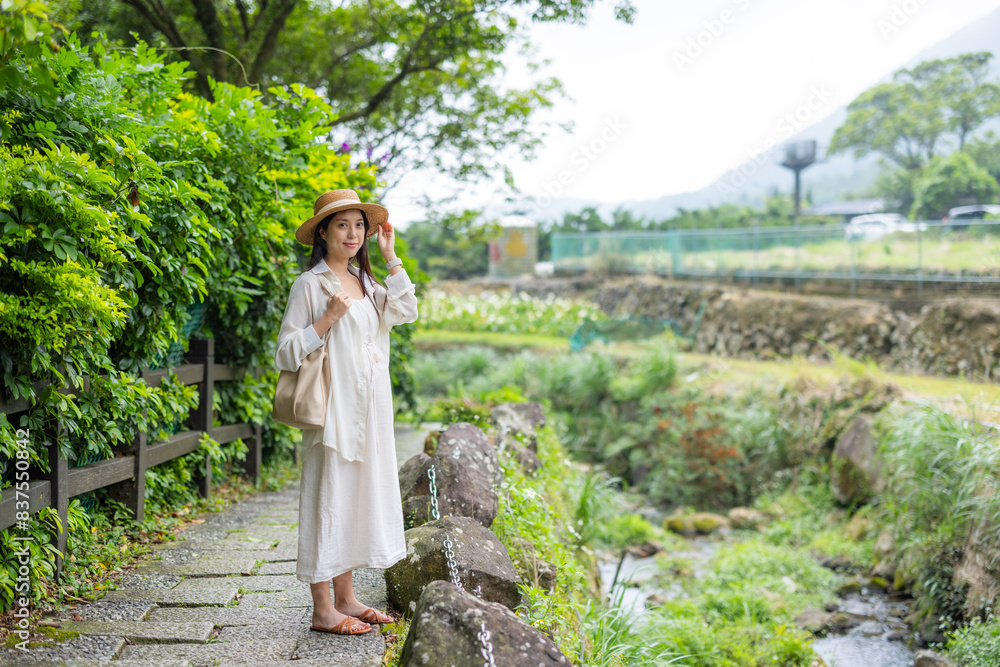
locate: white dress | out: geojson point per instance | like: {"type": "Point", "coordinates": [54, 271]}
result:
{"type": "Point", "coordinates": [350, 512]}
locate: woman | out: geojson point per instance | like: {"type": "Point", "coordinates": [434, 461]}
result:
{"type": "Point", "coordinates": [350, 514]}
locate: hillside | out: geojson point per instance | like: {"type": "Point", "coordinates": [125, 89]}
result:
{"type": "Point", "coordinates": [830, 179]}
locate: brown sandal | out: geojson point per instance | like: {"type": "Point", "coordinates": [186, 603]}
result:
{"type": "Point", "coordinates": [345, 627]}
{"type": "Point", "coordinates": [371, 616]}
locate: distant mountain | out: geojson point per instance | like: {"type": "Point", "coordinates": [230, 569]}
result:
{"type": "Point", "coordinates": [828, 180]}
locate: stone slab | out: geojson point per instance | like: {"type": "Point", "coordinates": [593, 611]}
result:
{"type": "Point", "coordinates": [262, 632]}
{"type": "Point", "coordinates": [210, 593]}
{"type": "Point", "coordinates": [214, 545]}
{"type": "Point", "coordinates": [282, 553]}
{"type": "Point", "coordinates": [273, 582]}
{"type": "Point", "coordinates": [359, 661]}
{"type": "Point", "coordinates": [96, 663]}
{"type": "Point", "coordinates": [207, 563]}
{"type": "Point", "coordinates": [342, 649]}
{"type": "Point", "coordinates": [273, 600]}
{"type": "Point", "coordinates": [281, 567]}
{"type": "Point", "coordinates": [260, 534]}
{"type": "Point", "coordinates": [81, 647]}
{"type": "Point", "coordinates": [210, 654]}
{"type": "Point", "coordinates": [223, 616]}
{"type": "Point", "coordinates": [276, 521]}
{"type": "Point", "coordinates": [142, 632]}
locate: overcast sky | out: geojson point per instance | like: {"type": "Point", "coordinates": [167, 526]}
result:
{"type": "Point", "coordinates": [690, 90]}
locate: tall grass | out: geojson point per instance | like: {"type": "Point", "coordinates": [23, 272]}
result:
{"type": "Point", "coordinates": [943, 484]}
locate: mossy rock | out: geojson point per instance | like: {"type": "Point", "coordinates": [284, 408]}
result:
{"type": "Point", "coordinates": [682, 524]}
{"type": "Point", "coordinates": [706, 523]}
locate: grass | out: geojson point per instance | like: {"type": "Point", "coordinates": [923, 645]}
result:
{"type": "Point", "coordinates": [949, 392]}
{"type": "Point", "coordinates": [426, 339]}
{"type": "Point", "coordinates": [941, 250]}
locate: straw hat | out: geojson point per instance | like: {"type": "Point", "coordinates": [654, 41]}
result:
{"type": "Point", "coordinates": [340, 200]}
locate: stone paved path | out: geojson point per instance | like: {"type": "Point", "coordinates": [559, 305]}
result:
{"type": "Point", "coordinates": [224, 596]}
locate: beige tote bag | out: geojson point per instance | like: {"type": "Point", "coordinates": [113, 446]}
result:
{"type": "Point", "coordinates": [301, 397]}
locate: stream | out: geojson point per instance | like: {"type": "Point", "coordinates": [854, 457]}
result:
{"type": "Point", "coordinates": [872, 632]}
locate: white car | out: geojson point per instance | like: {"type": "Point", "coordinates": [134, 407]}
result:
{"type": "Point", "coordinates": [957, 216]}
{"type": "Point", "coordinates": [873, 226]}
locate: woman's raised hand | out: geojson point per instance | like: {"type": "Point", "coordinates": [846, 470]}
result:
{"type": "Point", "coordinates": [387, 241]}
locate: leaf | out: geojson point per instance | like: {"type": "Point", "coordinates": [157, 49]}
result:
{"type": "Point", "coordinates": [30, 30]}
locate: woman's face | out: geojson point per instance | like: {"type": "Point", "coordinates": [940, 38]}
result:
{"type": "Point", "coordinates": [345, 234]}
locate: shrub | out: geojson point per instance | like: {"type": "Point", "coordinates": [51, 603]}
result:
{"type": "Point", "coordinates": [944, 478]}
{"type": "Point", "coordinates": [978, 644]}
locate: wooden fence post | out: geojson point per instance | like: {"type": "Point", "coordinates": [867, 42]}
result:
{"type": "Point", "coordinates": [202, 351]}
{"type": "Point", "coordinates": [58, 477]}
{"type": "Point", "coordinates": [252, 463]}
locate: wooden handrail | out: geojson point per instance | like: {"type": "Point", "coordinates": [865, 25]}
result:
{"type": "Point", "coordinates": [126, 473]}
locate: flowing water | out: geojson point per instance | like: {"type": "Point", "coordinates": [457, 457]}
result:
{"type": "Point", "coordinates": [875, 636]}
{"type": "Point", "coordinates": [877, 639]}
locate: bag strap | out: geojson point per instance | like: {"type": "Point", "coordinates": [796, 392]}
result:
{"type": "Point", "coordinates": [327, 283]}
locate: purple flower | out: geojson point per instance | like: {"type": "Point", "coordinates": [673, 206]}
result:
{"type": "Point", "coordinates": [345, 147]}
{"type": "Point", "coordinates": [385, 156]}
{"type": "Point", "coordinates": [368, 154]}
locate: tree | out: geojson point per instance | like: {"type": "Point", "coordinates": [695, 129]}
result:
{"type": "Point", "coordinates": [986, 153]}
{"type": "Point", "coordinates": [452, 246]}
{"type": "Point", "coordinates": [912, 119]}
{"type": "Point", "coordinates": [418, 83]}
{"type": "Point", "coordinates": [952, 181]}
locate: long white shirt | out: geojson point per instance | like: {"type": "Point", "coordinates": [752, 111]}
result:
{"type": "Point", "coordinates": [353, 361]}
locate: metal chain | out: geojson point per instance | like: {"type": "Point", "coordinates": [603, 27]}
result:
{"type": "Point", "coordinates": [432, 476]}
{"type": "Point", "coordinates": [478, 591]}
{"type": "Point", "coordinates": [503, 438]}
{"type": "Point", "coordinates": [487, 649]}
{"type": "Point", "coordinates": [449, 556]}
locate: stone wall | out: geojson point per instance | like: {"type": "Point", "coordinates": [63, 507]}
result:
{"type": "Point", "coordinates": [952, 337]}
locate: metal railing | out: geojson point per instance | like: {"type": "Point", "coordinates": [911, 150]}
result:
{"type": "Point", "coordinates": [127, 470]}
{"type": "Point", "coordinates": [918, 252]}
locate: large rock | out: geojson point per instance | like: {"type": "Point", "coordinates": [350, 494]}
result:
{"type": "Point", "coordinates": [447, 629]}
{"type": "Point", "coordinates": [747, 518]}
{"type": "Point", "coordinates": [521, 419]}
{"type": "Point", "coordinates": [467, 444]}
{"type": "Point", "coordinates": [928, 658]}
{"type": "Point", "coordinates": [979, 570]}
{"type": "Point", "coordinates": [814, 620]}
{"type": "Point", "coordinates": [857, 471]}
{"type": "Point", "coordinates": [462, 490]}
{"type": "Point", "coordinates": [526, 458]}
{"type": "Point", "coordinates": [480, 560]}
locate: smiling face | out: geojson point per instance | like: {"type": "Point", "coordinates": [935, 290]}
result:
{"type": "Point", "coordinates": [345, 234]}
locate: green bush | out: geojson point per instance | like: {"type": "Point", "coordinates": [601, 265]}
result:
{"type": "Point", "coordinates": [976, 645]}
{"type": "Point", "coordinates": [126, 203]}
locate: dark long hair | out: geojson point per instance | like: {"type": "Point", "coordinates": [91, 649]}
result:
{"type": "Point", "coordinates": [361, 260]}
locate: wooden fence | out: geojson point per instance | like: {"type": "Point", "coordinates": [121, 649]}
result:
{"type": "Point", "coordinates": [127, 471]}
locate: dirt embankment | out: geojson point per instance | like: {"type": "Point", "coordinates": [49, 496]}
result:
{"type": "Point", "coordinates": [953, 337]}
{"type": "Point", "coordinates": [950, 336]}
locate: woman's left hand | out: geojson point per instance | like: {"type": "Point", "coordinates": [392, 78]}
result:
{"type": "Point", "coordinates": [387, 241]}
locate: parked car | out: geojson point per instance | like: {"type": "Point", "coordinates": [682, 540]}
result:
{"type": "Point", "coordinates": [974, 212]}
{"type": "Point", "coordinates": [873, 226]}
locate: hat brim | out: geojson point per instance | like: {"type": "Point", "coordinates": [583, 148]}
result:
{"type": "Point", "coordinates": [376, 214]}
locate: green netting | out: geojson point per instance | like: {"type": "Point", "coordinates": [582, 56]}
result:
{"type": "Point", "coordinates": [172, 357]}
{"type": "Point", "coordinates": [631, 328]}
{"type": "Point", "coordinates": [175, 353]}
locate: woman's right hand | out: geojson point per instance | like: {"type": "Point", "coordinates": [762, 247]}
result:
{"type": "Point", "coordinates": [337, 307]}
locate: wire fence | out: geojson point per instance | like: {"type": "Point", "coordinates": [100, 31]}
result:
{"type": "Point", "coordinates": [925, 252]}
